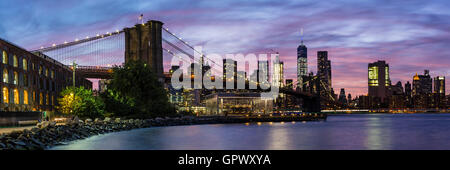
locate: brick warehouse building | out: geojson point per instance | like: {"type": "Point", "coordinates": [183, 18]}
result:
{"type": "Point", "coordinates": [32, 82]}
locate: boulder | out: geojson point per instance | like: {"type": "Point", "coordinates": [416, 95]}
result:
{"type": "Point", "coordinates": [43, 124]}
{"type": "Point", "coordinates": [107, 119]}
{"type": "Point", "coordinates": [131, 121]}
{"type": "Point", "coordinates": [52, 123]}
{"type": "Point", "coordinates": [97, 120]}
{"type": "Point", "coordinates": [88, 121]}
{"type": "Point", "coordinates": [117, 120]}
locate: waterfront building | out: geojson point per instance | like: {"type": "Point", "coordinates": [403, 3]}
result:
{"type": "Point", "coordinates": [228, 104]}
{"type": "Point", "coordinates": [32, 81]}
{"type": "Point", "coordinates": [379, 80]}
{"type": "Point", "coordinates": [302, 63]}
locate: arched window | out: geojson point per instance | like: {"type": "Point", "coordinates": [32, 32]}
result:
{"type": "Point", "coordinates": [25, 64]}
{"type": "Point", "coordinates": [16, 96]}
{"type": "Point", "coordinates": [25, 97]}
{"type": "Point", "coordinates": [46, 72]}
{"type": "Point", "coordinates": [5, 57]}
{"type": "Point", "coordinates": [15, 62]}
{"type": "Point", "coordinates": [5, 76]}
{"type": "Point", "coordinates": [47, 99]}
{"type": "Point", "coordinates": [41, 99]}
{"type": "Point", "coordinates": [16, 78]}
{"type": "Point", "coordinates": [40, 69]}
{"type": "Point", "coordinates": [5, 95]}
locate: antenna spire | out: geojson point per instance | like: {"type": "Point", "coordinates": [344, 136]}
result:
{"type": "Point", "coordinates": [301, 35]}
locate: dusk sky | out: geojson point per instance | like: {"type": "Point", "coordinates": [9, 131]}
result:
{"type": "Point", "coordinates": [410, 35]}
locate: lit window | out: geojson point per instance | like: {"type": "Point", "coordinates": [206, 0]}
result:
{"type": "Point", "coordinates": [16, 78]}
{"type": "Point", "coordinates": [5, 57]}
{"type": "Point", "coordinates": [34, 96]}
{"type": "Point", "coordinates": [5, 76]}
{"type": "Point", "coordinates": [46, 72]}
{"type": "Point", "coordinates": [53, 100]}
{"type": "Point", "coordinates": [47, 101]}
{"type": "Point", "coordinates": [41, 99]}
{"type": "Point", "coordinates": [5, 95]}
{"type": "Point", "coordinates": [16, 96]}
{"type": "Point", "coordinates": [16, 63]}
{"type": "Point", "coordinates": [40, 69]}
{"type": "Point", "coordinates": [25, 64]}
{"type": "Point", "coordinates": [52, 74]}
{"type": "Point", "coordinates": [25, 97]}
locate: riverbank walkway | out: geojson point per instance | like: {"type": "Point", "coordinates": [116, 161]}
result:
{"type": "Point", "coordinates": [10, 129]}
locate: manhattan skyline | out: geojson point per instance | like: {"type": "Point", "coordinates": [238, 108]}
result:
{"type": "Point", "coordinates": [411, 36]}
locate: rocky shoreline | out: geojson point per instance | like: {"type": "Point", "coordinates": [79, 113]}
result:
{"type": "Point", "coordinates": [48, 134]}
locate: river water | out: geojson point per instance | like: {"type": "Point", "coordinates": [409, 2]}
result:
{"type": "Point", "coordinates": [348, 132]}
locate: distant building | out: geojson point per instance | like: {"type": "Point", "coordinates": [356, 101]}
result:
{"type": "Point", "coordinates": [422, 90]}
{"type": "Point", "coordinates": [439, 85]}
{"type": "Point", "coordinates": [379, 81]}
{"type": "Point", "coordinates": [342, 96]}
{"type": "Point", "coordinates": [263, 73]}
{"type": "Point", "coordinates": [397, 89]}
{"type": "Point", "coordinates": [422, 84]}
{"type": "Point", "coordinates": [302, 63]}
{"type": "Point", "coordinates": [278, 74]}
{"type": "Point", "coordinates": [230, 66]}
{"type": "Point", "coordinates": [324, 73]}
{"type": "Point", "coordinates": [102, 85]}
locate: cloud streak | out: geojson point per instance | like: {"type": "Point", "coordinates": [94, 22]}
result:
{"type": "Point", "coordinates": [410, 35]}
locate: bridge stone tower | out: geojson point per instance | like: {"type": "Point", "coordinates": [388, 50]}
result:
{"type": "Point", "coordinates": [144, 42]}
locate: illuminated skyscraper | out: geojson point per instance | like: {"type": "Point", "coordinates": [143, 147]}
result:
{"type": "Point", "coordinates": [439, 85]}
{"type": "Point", "coordinates": [422, 84]}
{"type": "Point", "coordinates": [302, 63]}
{"type": "Point", "coordinates": [379, 81]}
{"type": "Point", "coordinates": [277, 79]}
{"type": "Point", "coordinates": [324, 72]}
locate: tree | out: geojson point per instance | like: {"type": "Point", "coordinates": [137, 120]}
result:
{"type": "Point", "coordinates": [80, 102]}
{"type": "Point", "coordinates": [134, 86]}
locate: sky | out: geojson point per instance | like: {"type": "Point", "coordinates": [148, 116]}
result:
{"type": "Point", "coordinates": [410, 36]}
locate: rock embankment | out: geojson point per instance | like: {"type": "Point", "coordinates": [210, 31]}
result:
{"type": "Point", "coordinates": [48, 134]}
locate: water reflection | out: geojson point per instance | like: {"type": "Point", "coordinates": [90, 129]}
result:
{"type": "Point", "coordinates": [382, 131]}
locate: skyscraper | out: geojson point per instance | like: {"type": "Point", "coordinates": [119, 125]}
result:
{"type": "Point", "coordinates": [302, 63]}
{"type": "Point", "coordinates": [408, 89]}
{"type": "Point", "coordinates": [342, 96]}
{"type": "Point", "coordinates": [379, 81]}
{"type": "Point", "coordinates": [263, 72]}
{"type": "Point", "coordinates": [422, 84]}
{"type": "Point", "coordinates": [439, 85]}
{"type": "Point", "coordinates": [229, 66]}
{"type": "Point", "coordinates": [324, 72]}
